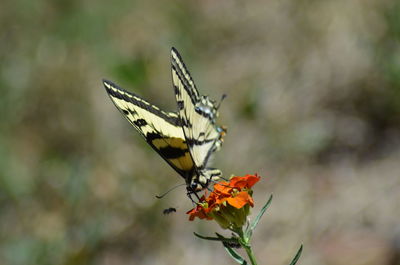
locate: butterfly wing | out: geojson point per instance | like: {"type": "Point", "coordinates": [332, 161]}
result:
{"type": "Point", "coordinates": [162, 130]}
{"type": "Point", "coordinates": [197, 114]}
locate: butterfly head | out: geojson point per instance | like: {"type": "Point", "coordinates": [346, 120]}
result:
{"type": "Point", "coordinates": [195, 187]}
{"type": "Point", "coordinates": [207, 108]}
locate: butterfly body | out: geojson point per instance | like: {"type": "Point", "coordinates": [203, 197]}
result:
{"type": "Point", "coordinates": [185, 139]}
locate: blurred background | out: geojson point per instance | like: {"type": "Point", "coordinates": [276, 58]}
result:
{"type": "Point", "coordinates": [313, 106]}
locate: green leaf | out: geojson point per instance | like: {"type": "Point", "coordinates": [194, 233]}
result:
{"type": "Point", "coordinates": [296, 258]}
{"type": "Point", "coordinates": [239, 259]}
{"type": "Point", "coordinates": [220, 238]}
{"type": "Point", "coordinates": [207, 237]}
{"type": "Point", "coordinates": [249, 230]}
{"type": "Point", "coordinates": [236, 256]}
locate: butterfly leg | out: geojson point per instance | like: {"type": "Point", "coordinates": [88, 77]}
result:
{"type": "Point", "coordinates": [189, 194]}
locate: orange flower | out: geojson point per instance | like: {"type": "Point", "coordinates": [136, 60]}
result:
{"type": "Point", "coordinates": [228, 203]}
{"type": "Point", "coordinates": [237, 192]}
{"type": "Point", "coordinates": [241, 199]}
{"type": "Point", "coordinates": [201, 210]}
{"type": "Point", "coordinates": [245, 182]}
{"type": "Point", "coordinates": [223, 188]}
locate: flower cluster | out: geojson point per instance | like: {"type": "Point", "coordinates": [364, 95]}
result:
{"type": "Point", "coordinates": [228, 204]}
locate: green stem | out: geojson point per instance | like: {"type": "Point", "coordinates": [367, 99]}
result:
{"type": "Point", "coordinates": [250, 253]}
{"type": "Point", "coordinates": [245, 242]}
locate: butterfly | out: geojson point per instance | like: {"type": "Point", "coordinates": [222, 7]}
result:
{"type": "Point", "coordinates": [186, 138]}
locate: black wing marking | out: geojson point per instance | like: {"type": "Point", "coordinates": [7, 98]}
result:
{"type": "Point", "coordinates": [197, 114]}
{"type": "Point", "coordinates": [162, 130]}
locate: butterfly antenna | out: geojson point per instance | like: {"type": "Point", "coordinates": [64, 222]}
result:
{"type": "Point", "coordinates": [220, 101]}
{"type": "Point", "coordinates": [168, 191]}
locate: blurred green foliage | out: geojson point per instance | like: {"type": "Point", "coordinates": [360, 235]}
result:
{"type": "Point", "coordinates": [313, 103]}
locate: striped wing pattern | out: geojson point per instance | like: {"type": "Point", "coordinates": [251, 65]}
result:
{"type": "Point", "coordinates": [197, 114]}
{"type": "Point", "coordinates": [185, 139]}
{"type": "Point", "coordinates": [162, 130]}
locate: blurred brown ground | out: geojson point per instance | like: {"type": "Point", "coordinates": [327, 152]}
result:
{"type": "Point", "coordinates": [313, 106]}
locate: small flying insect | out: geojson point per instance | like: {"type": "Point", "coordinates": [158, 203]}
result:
{"type": "Point", "coordinates": [169, 210]}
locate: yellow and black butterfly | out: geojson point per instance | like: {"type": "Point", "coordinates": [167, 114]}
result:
{"type": "Point", "coordinates": [187, 138]}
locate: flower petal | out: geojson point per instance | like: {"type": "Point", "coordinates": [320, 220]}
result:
{"type": "Point", "coordinates": [222, 187]}
{"type": "Point", "coordinates": [247, 181]}
{"type": "Point", "coordinates": [240, 200]}
{"type": "Point", "coordinates": [199, 211]}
